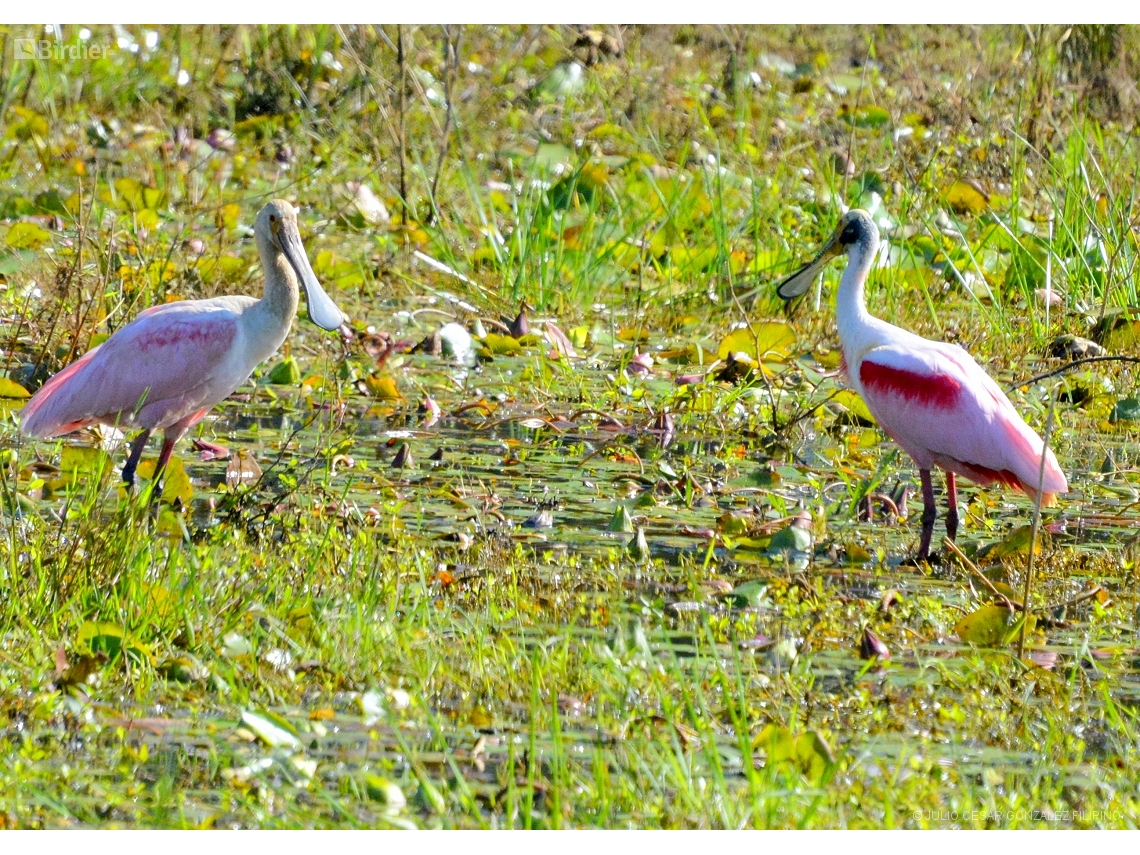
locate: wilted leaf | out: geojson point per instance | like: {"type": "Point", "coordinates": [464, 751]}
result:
{"type": "Point", "coordinates": [553, 154]}
{"type": "Point", "coordinates": [559, 340]}
{"type": "Point", "coordinates": [78, 671]}
{"type": "Point", "coordinates": [185, 668]}
{"type": "Point", "coordinates": [579, 336]}
{"type": "Point", "coordinates": [210, 450]}
{"type": "Point", "coordinates": [403, 458]}
{"type": "Point", "coordinates": [28, 124]}
{"type": "Point", "coordinates": [148, 219]}
{"type": "Point", "coordinates": [372, 211]}
{"type": "Point", "coordinates": [501, 345]}
{"type": "Point", "coordinates": [12, 389]}
{"type": "Point", "coordinates": [176, 484]}
{"type": "Point", "coordinates": [242, 469]}
{"type": "Point", "coordinates": [235, 644]}
{"type": "Point", "coordinates": [228, 216]}
{"type": "Point", "coordinates": [777, 741]}
{"type": "Point", "coordinates": [633, 335]}
{"type": "Point", "coordinates": [871, 646]}
{"type": "Point", "coordinates": [691, 261]}
{"type": "Point", "coordinates": [272, 729]}
{"type": "Point", "coordinates": [966, 196]}
{"type": "Point", "coordinates": [383, 387]}
{"type": "Point", "coordinates": [1117, 332]}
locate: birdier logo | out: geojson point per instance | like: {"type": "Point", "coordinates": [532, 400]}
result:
{"type": "Point", "coordinates": [44, 49]}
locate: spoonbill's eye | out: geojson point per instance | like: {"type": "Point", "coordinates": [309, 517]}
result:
{"type": "Point", "coordinates": [272, 218]}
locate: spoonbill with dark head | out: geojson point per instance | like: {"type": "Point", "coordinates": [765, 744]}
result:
{"type": "Point", "coordinates": [167, 368]}
{"type": "Point", "coordinates": [929, 397]}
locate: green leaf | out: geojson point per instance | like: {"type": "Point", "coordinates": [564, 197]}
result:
{"type": "Point", "coordinates": [854, 404]}
{"type": "Point", "coordinates": [865, 116]}
{"type": "Point", "coordinates": [621, 520]}
{"type": "Point", "coordinates": [793, 537]}
{"type": "Point", "coordinates": [84, 460]}
{"type": "Point", "coordinates": [1015, 543]}
{"type": "Point", "coordinates": [286, 372]}
{"type": "Point", "coordinates": [385, 792]}
{"type": "Point", "coordinates": [1125, 410]}
{"type": "Point", "coordinates": [989, 626]}
{"type": "Point", "coordinates": [14, 262]}
{"type": "Point", "coordinates": [96, 637]}
{"type": "Point", "coordinates": [813, 755]}
{"type": "Point", "coordinates": [27, 236]}
{"type": "Point", "coordinates": [552, 154]}
{"type": "Point", "coordinates": [732, 524]}
{"type": "Point", "coordinates": [766, 340]}
{"type": "Point", "coordinates": [749, 595]}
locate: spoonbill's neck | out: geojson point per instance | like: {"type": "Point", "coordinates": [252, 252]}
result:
{"type": "Point", "coordinates": [279, 300]}
{"type": "Point", "coordinates": [272, 315]}
{"type": "Point", "coordinates": [852, 317]}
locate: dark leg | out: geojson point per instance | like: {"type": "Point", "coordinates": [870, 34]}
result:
{"type": "Point", "coordinates": [951, 505]}
{"type": "Point", "coordinates": [929, 512]}
{"type": "Point", "coordinates": [164, 456]}
{"type": "Point", "coordinates": [133, 461]}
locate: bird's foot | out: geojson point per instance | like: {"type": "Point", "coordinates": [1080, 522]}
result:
{"type": "Point", "coordinates": [930, 559]}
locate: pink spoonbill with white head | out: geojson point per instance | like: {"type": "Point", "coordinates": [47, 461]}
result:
{"type": "Point", "coordinates": [167, 368]}
{"type": "Point", "coordinates": [930, 397]}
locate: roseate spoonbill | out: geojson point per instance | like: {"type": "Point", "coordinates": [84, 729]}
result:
{"type": "Point", "coordinates": [929, 397]}
{"type": "Point", "coordinates": [170, 365]}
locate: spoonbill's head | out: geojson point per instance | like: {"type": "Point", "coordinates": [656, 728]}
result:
{"type": "Point", "coordinates": [856, 232]}
{"type": "Point", "coordinates": [276, 231]}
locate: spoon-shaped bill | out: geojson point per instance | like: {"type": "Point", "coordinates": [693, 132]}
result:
{"type": "Point", "coordinates": [322, 310]}
{"type": "Point", "coordinates": [801, 280]}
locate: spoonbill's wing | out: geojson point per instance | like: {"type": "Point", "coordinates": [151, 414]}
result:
{"type": "Point", "coordinates": [942, 408]}
{"type": "Point", "coordinates": [169, 362]}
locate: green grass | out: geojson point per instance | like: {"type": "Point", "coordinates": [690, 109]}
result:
{"type": "Point", "coordinates": [345, 643]}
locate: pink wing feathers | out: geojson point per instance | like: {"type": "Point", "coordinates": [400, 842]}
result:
{"type": "Point", "coordinates": [170, 362]}
{"type": "Point", "coordinates": [943, 409]}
